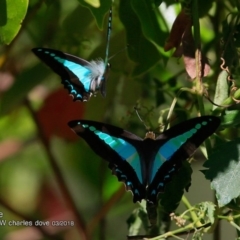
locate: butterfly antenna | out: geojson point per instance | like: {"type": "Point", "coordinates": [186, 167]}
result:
{"type": "Point", "coordinates": [136, 110]}
{"type": "Point", "coordinates": [118, 52]}
{"type": "Point", "coordinates": [108, 35]}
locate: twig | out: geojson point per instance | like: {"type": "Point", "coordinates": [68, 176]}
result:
{"type": "Point", "coordinates": [105, 208]}
{"type": "Point", "coordinates": [59, 177]}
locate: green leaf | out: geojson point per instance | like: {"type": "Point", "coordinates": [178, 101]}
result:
{"type": "Point", "coordinates": [198, 235]}
{"type": "Point", "coordinates": [222, 89]}
{"type": "Point", "coordinates": [23, 84]}
{"type": "Point", "coordinates": [146, 61]}
{"type": "Point", "coordinates": [93, 3]}
{"type": "Point", "coordinates": [231, 118]}
{"type": "Point", "coordinates": [43, 26]}
{"type": "Point", "coordinates": [82, 41]}
{"type": "Point", "coordinates": [138, 43]}
{"type": "Point", "coordinates": [69, 25]}
{"type": "Point", "coordinates": [12, 14]}
{"type": "Point", "coordinates": [158, 2]}
{"type": "Point", "coordinates": [147, 14]}
{"type": "Point", "coordinates": [144, 217]}
{"type": "Point", "coordinates": [204, 7]}
{"type": "Point", "coordinates": [223, 171]}
{"type": "Point", "coordinates": [134, 221]}
{"type": "Point", "coordinates": [209, 208]}
{"type": "Point", "coordinates": [97, 10]}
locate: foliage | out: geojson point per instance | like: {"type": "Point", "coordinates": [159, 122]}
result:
{"type": "Point", "coordinates": [170, 60]}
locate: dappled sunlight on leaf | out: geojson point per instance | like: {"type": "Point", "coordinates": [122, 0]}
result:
{"type": "Point", "coordinates": [11, 17]}
{"type": "Point", "coordinates": [6, 81]}
{"type": "Point", "coordinates": [9, 147]}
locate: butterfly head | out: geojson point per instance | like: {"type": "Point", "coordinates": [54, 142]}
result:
{"type": "Point", "coordinates": [150, 135]}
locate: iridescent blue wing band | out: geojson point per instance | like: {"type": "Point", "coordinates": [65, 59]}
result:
{"type": "Point", "coordinates": [74, 71]}
{"type": "Point", "coordinates": [108, 142]}
{"type": "Point", "coordinates": [174, 146]}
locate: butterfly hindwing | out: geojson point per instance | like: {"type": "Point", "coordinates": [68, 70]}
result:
{"type": "Point", "coordinates": [176, 145]}
{"type": "Point", "coordinates": [117, 147]}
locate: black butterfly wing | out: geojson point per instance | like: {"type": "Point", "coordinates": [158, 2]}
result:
{"type": "Point", "coordinates": [174, 146]}
{"type": "Point", "coordinates": [76, 73]}
{"type": "Point", "coordinates": [119, 148]}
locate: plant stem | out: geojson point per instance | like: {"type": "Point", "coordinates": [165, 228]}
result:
{"type": "Point", "coordinates": [198, 59]}
{"type": "Point", "coordinates": [192, 213]}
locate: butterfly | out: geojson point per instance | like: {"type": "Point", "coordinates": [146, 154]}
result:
{"type": "Point", "coordinates": [80, 77]}
{"type": "Point", "coordinates": [145, 165]}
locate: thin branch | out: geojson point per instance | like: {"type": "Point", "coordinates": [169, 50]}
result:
{"type": "Point", "coordinates": [105, 208]}
{"type": "Point", "coordinates": [58, 175]}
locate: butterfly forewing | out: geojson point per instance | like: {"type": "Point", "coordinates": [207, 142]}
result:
{"type": "Point", "coordinates": [117, 147]}
{"type": "Point", "coordinates": [175, 145]}
{"type": "Point", "coordinates": [76, 73]}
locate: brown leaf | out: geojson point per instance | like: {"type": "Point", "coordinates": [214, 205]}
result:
{"type": "Point", "coordinates": [178, 28]}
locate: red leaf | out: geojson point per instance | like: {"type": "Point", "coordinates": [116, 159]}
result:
{"type": "Point", "coordinates": [188, 48]}
{"type": "Point", "coordinates": [57, 111]}
{"type": "Point", "coordinates": [181, 38]}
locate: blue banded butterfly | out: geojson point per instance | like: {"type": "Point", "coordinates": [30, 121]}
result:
{"type": "Point", "coordinates": [80, 77]}
{"type": "Point", "coordinates": [145, 165]}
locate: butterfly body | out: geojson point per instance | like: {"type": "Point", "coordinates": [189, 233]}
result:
{"type": "Point", "coordinates": [145, 165]}
{"type": "Point", "coordinates": [80, 77]}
